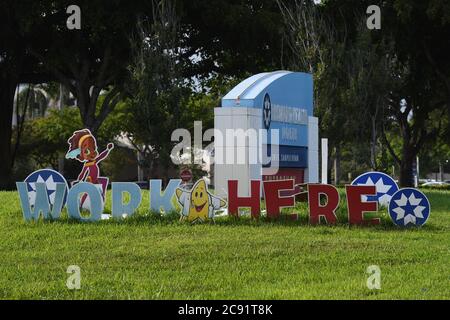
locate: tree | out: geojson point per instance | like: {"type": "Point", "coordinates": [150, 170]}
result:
{"type": "Point", "coordinates": [331, 41]}
{"type": "Point", "coordinates": [370, 84]}
{"type": "Point", "coordinates": [36, 46]}
{"type": "Point", "coordinates": [230, 37]}
{"type": "Point", "coordinates": [419, 72]}
{"type": "Point", "coordinates": [156, 87]}
{"type": "Point", "coordinates": [17, 32]}
{"type": "Point", "coordinates": [94, 58]}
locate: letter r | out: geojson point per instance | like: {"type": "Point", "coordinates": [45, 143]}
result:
{"type": "Point", "coordinates": [328, 210]}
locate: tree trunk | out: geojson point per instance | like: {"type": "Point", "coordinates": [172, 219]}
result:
{"type": "Point", "coordinates": [406, 166]}
{"type": "Point", "coordinates": [84, 103]}
{"type": "Point", "coordinates": [87, 100]}
{"type": "Point", "coordinates": [337, 165]}
{"type": "Point", "coordinates": [8, 85]}
{"type": "Point", "coordinates": [373, 145]}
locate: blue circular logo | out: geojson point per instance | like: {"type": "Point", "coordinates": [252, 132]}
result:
{"type": "Point", "coordinates": [50, 178]}
{"type": "Point", "coordinates": [409, 207]}
{"type": "Point", "coordinates": [384, 184]}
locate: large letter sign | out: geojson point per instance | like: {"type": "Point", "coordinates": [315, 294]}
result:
{"type": "Point", "coordinates": [74, 204]}
{"type": "Point", "coordinates": [160, 199]}
{"type": "Point", "coordinates": [357, 208]}
{"type": "Point", "coordinates": [235, 202]}
{"type": "Point", "coordinates": [118, 208]}
{"type": "Point", "coordinates": [44, 194]}
{"type": "Point", "coordinates": [274, 202]}
{"type": "Point", "coordinates": [328, 210]}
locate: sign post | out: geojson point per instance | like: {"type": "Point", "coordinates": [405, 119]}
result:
{"type": "Point", "coordinates": [324, 160]}
{"type": "Point", "coordinates": [186, 175]}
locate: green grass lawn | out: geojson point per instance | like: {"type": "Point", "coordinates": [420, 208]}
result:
{"type": "Point", "coordinates": [146, 257]}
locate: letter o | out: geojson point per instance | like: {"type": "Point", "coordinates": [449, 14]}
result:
{"type": "Point", "coordinates": [73, 207]}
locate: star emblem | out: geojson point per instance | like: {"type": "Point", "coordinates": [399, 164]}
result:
{"type": "Point", "coordinates": [409, 206]}
{"type": "Point", "coordinates": [50, 178]}
{"type": "Point", "coordinates": [385, 186]}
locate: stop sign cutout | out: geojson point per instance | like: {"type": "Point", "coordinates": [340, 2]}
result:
{"type": "Point", "coordinates": [186, 175]}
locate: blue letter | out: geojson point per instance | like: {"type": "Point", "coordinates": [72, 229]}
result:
{"type": "Point", "coordinates": [95, 197]}
{"type": "Point", "coordinates": [118, 207]}
{"type": "Point", "coordinates": [164, 200]}
{"type": "Point", "coordinates": [41, 205]}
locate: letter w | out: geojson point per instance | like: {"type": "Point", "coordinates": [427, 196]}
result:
{"type": "Point", "coordinates": [41, 205]}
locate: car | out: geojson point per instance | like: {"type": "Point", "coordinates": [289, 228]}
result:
{"type": "Point", "coordinates": [434, 184]}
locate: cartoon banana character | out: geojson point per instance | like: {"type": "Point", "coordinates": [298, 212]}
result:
{"type": "Point", "coordinates": [198, 204]}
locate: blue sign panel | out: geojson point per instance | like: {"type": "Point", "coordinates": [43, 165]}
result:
{"type": "Point", "coordinates": [285, 88]}
{"type": "Point", "coordinates": [285, 100]}
{"type": "Point", "coordinates": [288, 156]}
{"type": "Point", "coordinates": [289, 135]}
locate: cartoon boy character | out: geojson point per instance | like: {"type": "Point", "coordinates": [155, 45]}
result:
{"type": "Point", "coordinates": [198, 205]}
{"type": "Point", "coordinates": [83, 147]}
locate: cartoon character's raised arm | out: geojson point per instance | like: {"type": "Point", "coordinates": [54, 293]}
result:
{"type": "Point", "coordinates": [105, 152]}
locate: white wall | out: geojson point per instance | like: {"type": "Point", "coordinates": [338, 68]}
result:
{"type": "Point", "coordinates": [236, 118]}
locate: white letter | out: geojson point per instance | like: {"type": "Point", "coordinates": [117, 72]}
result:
{"type": "Point", "coordinates": [198, 143]}
{"type": "Point", "coordinates": [184, 145]}
{"type": "Point", "coordinates": [208, 155]}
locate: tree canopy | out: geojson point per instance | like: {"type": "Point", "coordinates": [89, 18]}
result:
{"type": "Point", "coordinates": [145, 68]}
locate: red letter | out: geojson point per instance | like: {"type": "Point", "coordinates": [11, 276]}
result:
{"type": "Point", "coordinates": [272, 196]}
{"type": "Point", "coordinates": [328, 211]}
{"type": "Point", "coordinates": [235, 202]}
{"type": "Point", "coordinates": [356, 208]}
